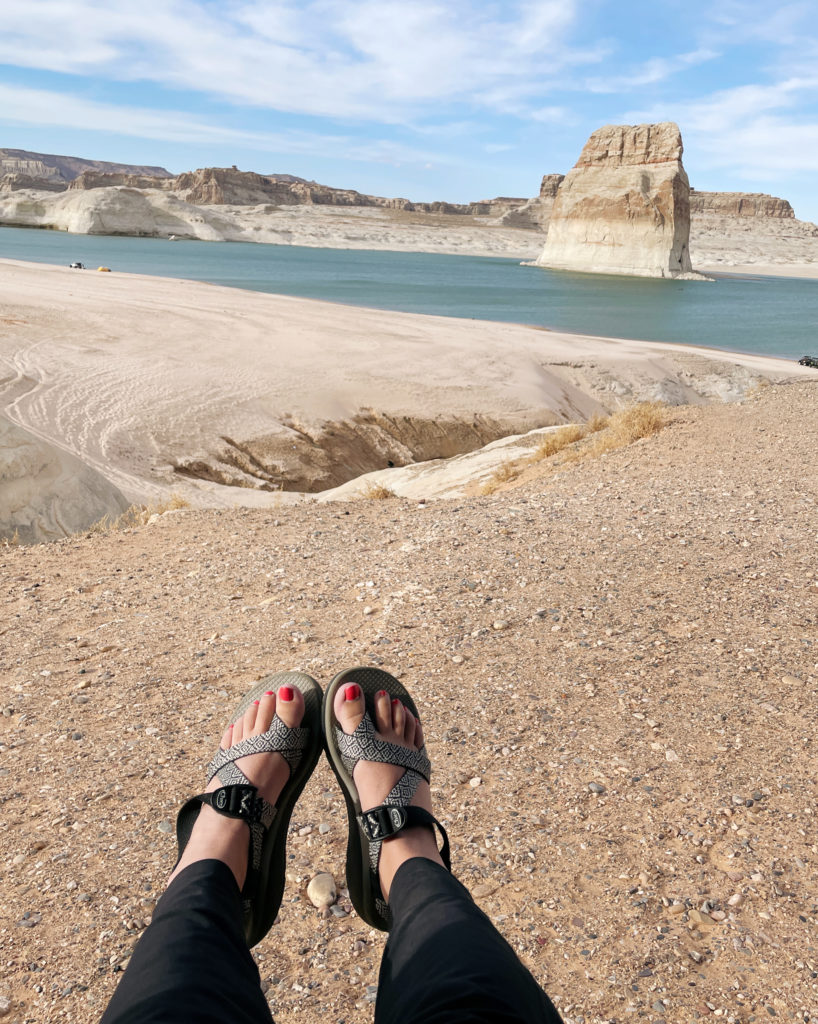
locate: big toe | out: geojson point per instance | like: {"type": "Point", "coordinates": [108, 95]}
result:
{"type": "Point", "coordinates": [349, 706]}
{"type": "Point", "coordinates": [290, 705]}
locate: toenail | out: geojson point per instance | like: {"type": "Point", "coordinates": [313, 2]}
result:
{"type": "Point", "coordinates": [352, 692]}
{"type": "Point", "coordinates": [268, 693]}
{"type": "Point", "coordinates": [286, 693]}
{"type": "Point", "coordinates": [395, 700]}
{"type": "Point", "coordinates": [381, 693]}
{"type": "Point", "coordinates": [231, 725]}
{"type": "Point", "coordinates": [255, 702]}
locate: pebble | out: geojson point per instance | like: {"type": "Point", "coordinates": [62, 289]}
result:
{"type": "Point", "coordinates": [735, 900]}
{"type": "Point", "coordinates": [790, 680]}
{"type": "Point", "coordinates": [500, 624]}
{"type": "Point", "coordinates": [165, 826]}
{"type": "Point", "coordinates": [323, 828]}
{"type": "Point", "coordinates": [596, 787]}
{"type": "Point", "coordinates": [337, 911]}
{"type": "Point", "coordinates": [475, 781]}
{"type": "Point", "coordinates": [718, 915]}
{"type": "Point", "coordinates": [671, 755]}
{"type": "Point", "coordinates": [5, 1005]}
{"type": "Point", "coordinates": [321, 891]}
{"type": "Point", "coordinates": [368, 610]}
{"type": "Point", "coordinates": [457, 659]}
{"type": "Point", "coordinates": [305, 830]}
{"type": "Point", "coordinates": [695, 956]}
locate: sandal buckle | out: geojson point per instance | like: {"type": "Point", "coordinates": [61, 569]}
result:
{"type": "Point", "coordinates": [382, 822]}
{"type": "Point", "coordinates": [236, 802]}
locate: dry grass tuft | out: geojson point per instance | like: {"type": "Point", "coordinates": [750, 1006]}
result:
{"type": "Point", "coordinates": [559, 439]}
{"type": "Point", "coordinates": [377, 492]}
{"type": "Point", "coordinates": [597, 422]}
{"type": "Point", "coordinates": [11, 542]}
{"type": "Point", "coordinates": [504, 473]}
{"type": "Point", "coordinates": [138, 515]}
{"type": "Point", "coordinates": [638, 421]}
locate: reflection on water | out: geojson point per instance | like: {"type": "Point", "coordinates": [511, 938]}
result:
{"type": "Point", "coordinates": [775, 316]}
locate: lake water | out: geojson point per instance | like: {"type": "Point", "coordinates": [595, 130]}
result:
{"type": "Point", "coordinates": [774, 316]}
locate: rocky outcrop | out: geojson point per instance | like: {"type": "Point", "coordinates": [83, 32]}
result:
{"type": "Point", "coordinates": [536, 212]}
{"type": "Point", "coordinates": [739, 204]}
{"type": "Point", "coordinates": [17, 182]}
{"type": "Point", "coordinates": [108, 179]}
{"type": "Point", "coordinates": [624, 208]}
{"type": "Point", "coordinates": [45, 493]}
{"type": "Point", "coordinates": [53, 168]}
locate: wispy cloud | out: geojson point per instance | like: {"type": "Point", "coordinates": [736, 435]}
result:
{"type": "Point", "coordinates": [378, 59]}
{"type": "Point", "coordinates": [45, 107]}
{"type": "Point", "coordinates": [753, 130]}
{"type": "Point", "coordinates": [657, 69]}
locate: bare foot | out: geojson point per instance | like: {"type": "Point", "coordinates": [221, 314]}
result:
{"type": "Point", "coordinates": [395, 723]}
{"type": "Point", "coordinates": [217, 837]}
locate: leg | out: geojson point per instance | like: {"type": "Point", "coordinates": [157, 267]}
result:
{"type": "Point", "coordinates": [192, 964]}
{"type": "Point", "coordinates": [444, 960]}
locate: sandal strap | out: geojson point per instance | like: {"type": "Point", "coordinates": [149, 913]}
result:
{"type": "Point", "coordinates": [279, 739]}
{"type": "Point", "coordinates": [364, 745]}
{"type": "Point", "coordinates": [243, 801]}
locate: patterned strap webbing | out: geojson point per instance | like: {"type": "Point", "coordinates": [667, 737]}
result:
{"type": "Point", "coordinates": [279, 739]}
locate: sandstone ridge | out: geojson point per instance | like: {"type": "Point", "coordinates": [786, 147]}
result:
{"type": "Point", "coordinates": [624, 208]}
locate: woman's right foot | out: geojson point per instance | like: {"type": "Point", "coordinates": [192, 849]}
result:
{"type": "Point", "coordinates": [374, 780]}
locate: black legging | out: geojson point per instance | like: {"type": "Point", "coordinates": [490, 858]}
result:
{"type": "Point", "coordinates": [444, 960]}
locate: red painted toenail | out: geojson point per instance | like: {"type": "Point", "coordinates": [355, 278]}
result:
{"type": "Point", "coordinates": [231, 725]}
{"type": "Point", "coordinates": [286, 693]}
{"type": "Point", "coordinates": [352, 692]}
{"type": "Point", "coordinates": [255, 702]}
{"type": "Point", "coordinates": [395, 700]}
{"type": "Point", "coordinates": [381, 693]}
{"type": "Point", "coordinates": [268, 693]}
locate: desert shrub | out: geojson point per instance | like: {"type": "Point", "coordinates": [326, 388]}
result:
{"type": "Point", "coordinates": [138, 515]}
{"type": "Point", "coordinates": [597, 422]}
{"type": "Point", "coordinates": [638, 421]}
{"type": "Point", "coordinates": [504, 473]}
{"type": "Point", "coordinates": [557, 440]}
{"type": "Point", "coordinates": [377, 492]}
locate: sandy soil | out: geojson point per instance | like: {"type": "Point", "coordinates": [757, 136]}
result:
{"type": "Point", "coordinates": [646, 622]}
{"type": "Point", "coordinates": [226, 396]}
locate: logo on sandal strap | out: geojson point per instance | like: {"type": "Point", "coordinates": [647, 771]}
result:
{"type": "Point", "coordinates": [220, 799]}
{"type": "Point", "coordinates": [382, 822]}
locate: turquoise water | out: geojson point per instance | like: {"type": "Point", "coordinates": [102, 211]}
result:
{"type": "Point", "coordinates": [773, 316]}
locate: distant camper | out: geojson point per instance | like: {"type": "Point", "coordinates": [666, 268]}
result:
{"type": "Point", "coordinates": [77, 266]}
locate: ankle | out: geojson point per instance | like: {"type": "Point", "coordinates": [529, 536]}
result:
{"type": "Point", "coordinates": [418, 841]}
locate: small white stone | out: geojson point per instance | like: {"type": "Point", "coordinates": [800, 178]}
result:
{"type": "Point", "coordinates": [500, 624]}
{"type": "Point", "coordinates": [475, 781]}
{"type": "Point", "coordinates": [735, 900]}
{"type": "Point", "coordinates": [368, 610]}
{"type": "Point", "coordinates": [457, 659]}
{"type": "Point", "coordinates": [321, 891]}
{"type": "Point", "coordinates": [671, 755]}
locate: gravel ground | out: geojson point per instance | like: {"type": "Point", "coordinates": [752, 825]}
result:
{"type": "Point", "coordinates": [617, 665]}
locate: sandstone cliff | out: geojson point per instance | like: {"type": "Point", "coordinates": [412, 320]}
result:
{"type": "Point", "coordinates": [624, 208]}
{"type": "Point", "coordinates": [49, 167]}
{"type": "Point", "coordinates": [536, 212]}
{"type": "Point", "coordinates": [47, 493]}
{"type": "Point", "coordinates": [739, 204]}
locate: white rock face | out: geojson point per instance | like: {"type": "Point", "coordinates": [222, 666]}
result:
{"type": "Point", "coordinates": [625, 206]}
{"type": "Point", "coordinates": [46, 493]}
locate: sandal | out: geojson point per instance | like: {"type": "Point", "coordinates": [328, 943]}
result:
{"type": "Point", "coordinates": [238, 798]}
{"type": "Point", "coordinates": [369, 828]}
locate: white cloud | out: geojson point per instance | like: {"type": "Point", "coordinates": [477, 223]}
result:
{"type": "Point", "coordinates": [754, 131]}
{"type": "Point", "coordinates": [377, 59]}
{"type": "Point", "coordinates": [657, 69]}
{"type": "Point", "coordinates": [44, 107]}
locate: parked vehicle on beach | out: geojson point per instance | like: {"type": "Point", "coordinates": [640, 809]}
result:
{"type": "Point", "coordinates": [77, 265]}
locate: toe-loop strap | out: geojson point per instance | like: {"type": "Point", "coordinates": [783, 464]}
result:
{"type": "Point", "coordinates": [387, 821]}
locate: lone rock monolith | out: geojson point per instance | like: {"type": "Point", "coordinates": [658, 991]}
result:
{"type": "Point", "coordinates": [625, 206]}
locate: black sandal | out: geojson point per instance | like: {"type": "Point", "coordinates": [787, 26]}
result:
{"type": "Point", "coordinates": [238, 798]}
{"type": "Point", "coordinates": [369, 828]}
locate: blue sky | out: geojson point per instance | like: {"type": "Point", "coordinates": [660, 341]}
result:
{"type": "Point", "coordinates": [455, 99]}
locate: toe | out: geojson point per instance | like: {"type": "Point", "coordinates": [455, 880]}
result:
{"type": "Point", "coordinates": [419, 741]}
{"type": "Point", "coordinates": [249, 719]}
{"type": "Point", "coordinates": [409, 727]}
{"type": "Point", "coordinates": [349, 706]}
{"type": "Point", "coordinates": [399, 715]}
{"type": "Point", "coordinates": [290, 705]}
{"type": "Point", "coordinates": [227, 738]}
{"type": "Point", "coordinates": [383, 711]}
{"type": "Point", "coordinates": [265, 710]}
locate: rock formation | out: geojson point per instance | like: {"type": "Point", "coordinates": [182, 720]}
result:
{"type": "Point", "coordinates": [59, 170]}
{"type": "Point", "coordinates": [624, 208]}
{"type": "Point", "coordinates": [46, 493]}
{"type": "Point", "coordinates": [739, 204]}
{"type": "Point", "coordinates": [536, 212]}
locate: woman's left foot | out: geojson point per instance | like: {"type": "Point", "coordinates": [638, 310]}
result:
{"type": "Point", "coordinates": [217, 837]}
